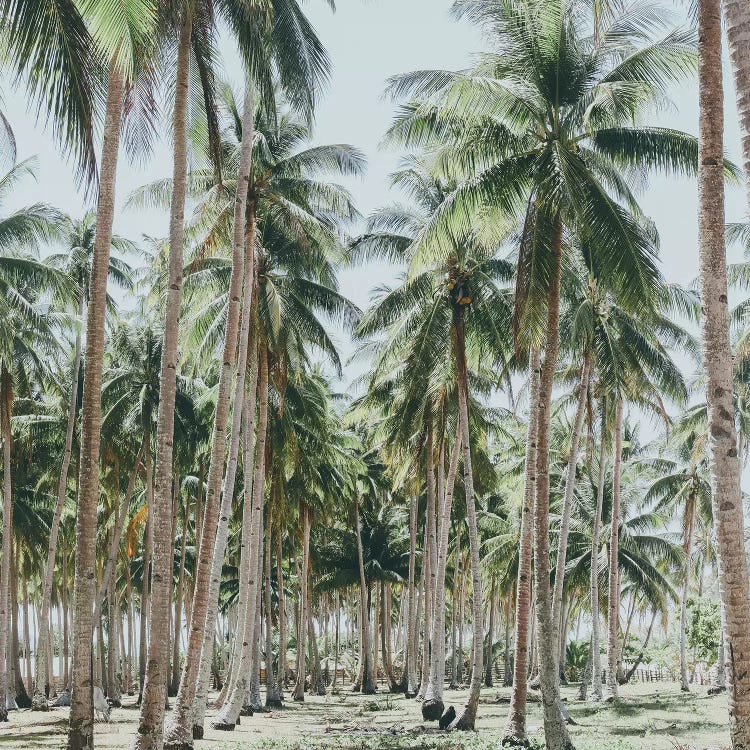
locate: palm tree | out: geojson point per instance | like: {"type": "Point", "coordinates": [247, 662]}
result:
{"type": "Point", "coordinates": [717, 363]}
{"type": "Point", "coordinates": [28, 333]}
{"type": "Point", "coordinates": [78, 239]}
{"type": "Point", "coordinates": [561, 144]}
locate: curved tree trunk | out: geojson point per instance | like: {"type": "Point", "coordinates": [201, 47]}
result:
{"type": "Point", "coordinates": [717, 353]}
{"type": "Point", "coordinates": [555, 731]}
{"type": "Point", "coordinates": [81, 731]}
{"type": "Point", "coordinates": [468, 715]}
{"type": "Point", "coordinates": [432, 708]}
{"type": "Point", "coordinates": [613, 644]}
{"type": "Point", "coordinates": [244, 247]}
{"type": "Point", "coordinates": [41, 688]}
{"type": "Point", "coordinates": [515, 728]}
{"type": "Point", "coordinates": [298, 694]}
{"type": "Point", "coordinates": [230, 713]}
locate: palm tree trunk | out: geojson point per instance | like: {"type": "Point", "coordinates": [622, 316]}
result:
{"type": "Point", "coordinates": [151, 721]}
{"type": "Point", "coordinates": [227, 718]}
{"type": "Point", "coordinates": [515, 728]}
{"type": "Point", "coordinates": [39, 701]}
{"type": "Point", "coordinates": [412, 624]}
{"type": "Point", "coordinates": [613, 645]}
{"type": "Point", "coordinates": [717, 353]}
{"type": "Point", "coordinates": [488, 678]}
{"type": "Point", "coordinates": [175, 681]}
{"type": "Point", "coordinates": [432, 708]}
{"type": "Point", "coordinates": [737, 18]}
{"type": "Point", "coordinates": [273, 700]}
{"type": "Point", "coordinates": [81, 731]}
{"type": "Point", "coordinates": [368, 681]}
{"type": "Point", "coordinates": [6, 404]}
{"type": "Point", "coordinates": [555, 731]}
{"type": "Point", "coordinates": [454, 607]}
{"type": "Point", "coordinates": [567, 509]}
{"type": "Point", "coordinates": [148, 545]}
{"type": "Point", "coordinates": [299, 687]}
{"type": "Point", "coordinates": [243, 245]}
{"type": "Point", "coordinates": [687, 545]}
{"type": "Point", "coordinates": [282, 608]}
{"type": "Point", "coordinates": [113, 657]}
{"type": "Point", "coordinates": [468, 715]}
{"type": "Point", "coordinates": [596, 661]}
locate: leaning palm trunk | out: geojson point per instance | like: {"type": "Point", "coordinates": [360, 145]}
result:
{"type": "Point", "coordinates": [229, 714]}
{"type": "Point", "coordinates": [151, 720]}
{"type": "Point", "coordinates": [368, 680]}
{"type": "Point", "coordinates": [81, 732]}
{"type": "Point", "coordinates": [614, 567]}
{"type": "Point", "coordinates": [555, 731]}
{"type": "Point", "coordinates": [412, 634]}
{"type": "Point", "coordinates": [243, 248]}
{"type": "Point", "coordinates": [432, 708]}
{"type": "Point", "coordinates": [567, 509]}
{"type": "Point", "coordinates": [469, 713]}
{"type": "Point", "coordinates": [515, 728]}
{"type": "Point", "coordinates": [6, 405]}
{"type": "Point", "coordinates": [725, 464]}
{"type": "Point", "coordinates": [39, 701]}
{"type": "Point", "coordinates": [596, 661]}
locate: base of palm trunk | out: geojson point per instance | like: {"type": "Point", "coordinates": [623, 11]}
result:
{"type": "Point", "coordinates": [198, 731]}
{"type": "Point", "coordinates": [432, 709]}
{"type": "Point", "coordinates": [221, 726]}
{"type": "Point", "coordinates": [274, 703]}
{"type": "Point", "coordinates": [465, 722]}
{"type": "Point", "coordinates": [511, 740]}
{"type": "Point", "coordinates": [247, 711]}
{"type": "Point", "coordinates": [3, 714]}
{"type": "Point", "coordinates": [179, 744]}
{"type": "Point", "coordinates": [40, 702]}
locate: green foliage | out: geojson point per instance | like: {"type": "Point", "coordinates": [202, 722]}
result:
{"type": "Point", "coordinates": [704, 628]}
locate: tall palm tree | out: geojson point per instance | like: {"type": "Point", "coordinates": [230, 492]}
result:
{"type": "Point", "coordinates": [717, 363]}
{"type": "Point", "coordinates": [78, 238]}
{"type": "Point", "coordinates": [529, 123]}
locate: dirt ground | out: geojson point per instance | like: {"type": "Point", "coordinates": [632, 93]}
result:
{"type": "Point", "coordinates": [654, 716]}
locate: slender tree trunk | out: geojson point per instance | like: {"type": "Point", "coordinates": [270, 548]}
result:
{"type": "Point", "coordinates": [737, 17]}
{"type": "Point", "coordinates": [613, 645]}
{"type": "Point", "coordinates": [488, 678]}
{"type": "Point", "coordinates": [555, 731]}
{"type": "Point", "coordinates": [454, 606]}
{"type": "Point", "coordinates": [640, 656]}
{"type": "Point", "coordinates": [273, 699]}
{"type": "Point", "coordinates": [27, 633]}
{"type": "Point", "coordinates": [515, 728]}
{"type": "Point", "coordinates": [412, 623]}
{"type": "Point", "coordinates": [299, 687]}
{"type": "Point", "coordinates": [468, 715]}
{"type": "Point", "coordinates": [282, 608]}
{"type": "Point", "coordinates": [368, 681]}
{"type": "Point", "coordinates": [6, 406]}
{"type": "Point", "coordinates": [687, 545]}
{"type": "Point", "coordinates": [244, 254]}
{"type": "Point", "coordinates": [596, 661]}
{"type": "Point", "coordinates": [717, 353]}
{"type": "Point", "coordinates": [66, 651]}
{"type": "Point", "coordinates": [175, 683]}
{"type": "Point", "coordinates": [39, 702]}
{"type": "Point", "coordinates": [229, 714]}
{"type": "Point", "coordinates": [432, 708]}
{"type": "Point", "coordinates": [81, 732]}
{"type": "Point", "coordinates": [148, 545]}
{"type": "Point", "coordinates": [567, 509]}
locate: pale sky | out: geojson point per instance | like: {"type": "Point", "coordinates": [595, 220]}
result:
{"type": "Point", "coordinates": [368, 40]}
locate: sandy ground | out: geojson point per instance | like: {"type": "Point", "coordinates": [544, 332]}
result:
{"type": "Point", "coordinates": [653, 716]}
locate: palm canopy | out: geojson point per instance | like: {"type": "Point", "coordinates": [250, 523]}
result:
{"type": "Point", "coordinates": [548, 126]}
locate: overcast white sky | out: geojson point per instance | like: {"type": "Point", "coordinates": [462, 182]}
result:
{"type": "Point", "coordinates": [368, 40]}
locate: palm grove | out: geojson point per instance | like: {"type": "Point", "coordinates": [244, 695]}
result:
{"type": "Point", "coordinates": [189, 502]}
